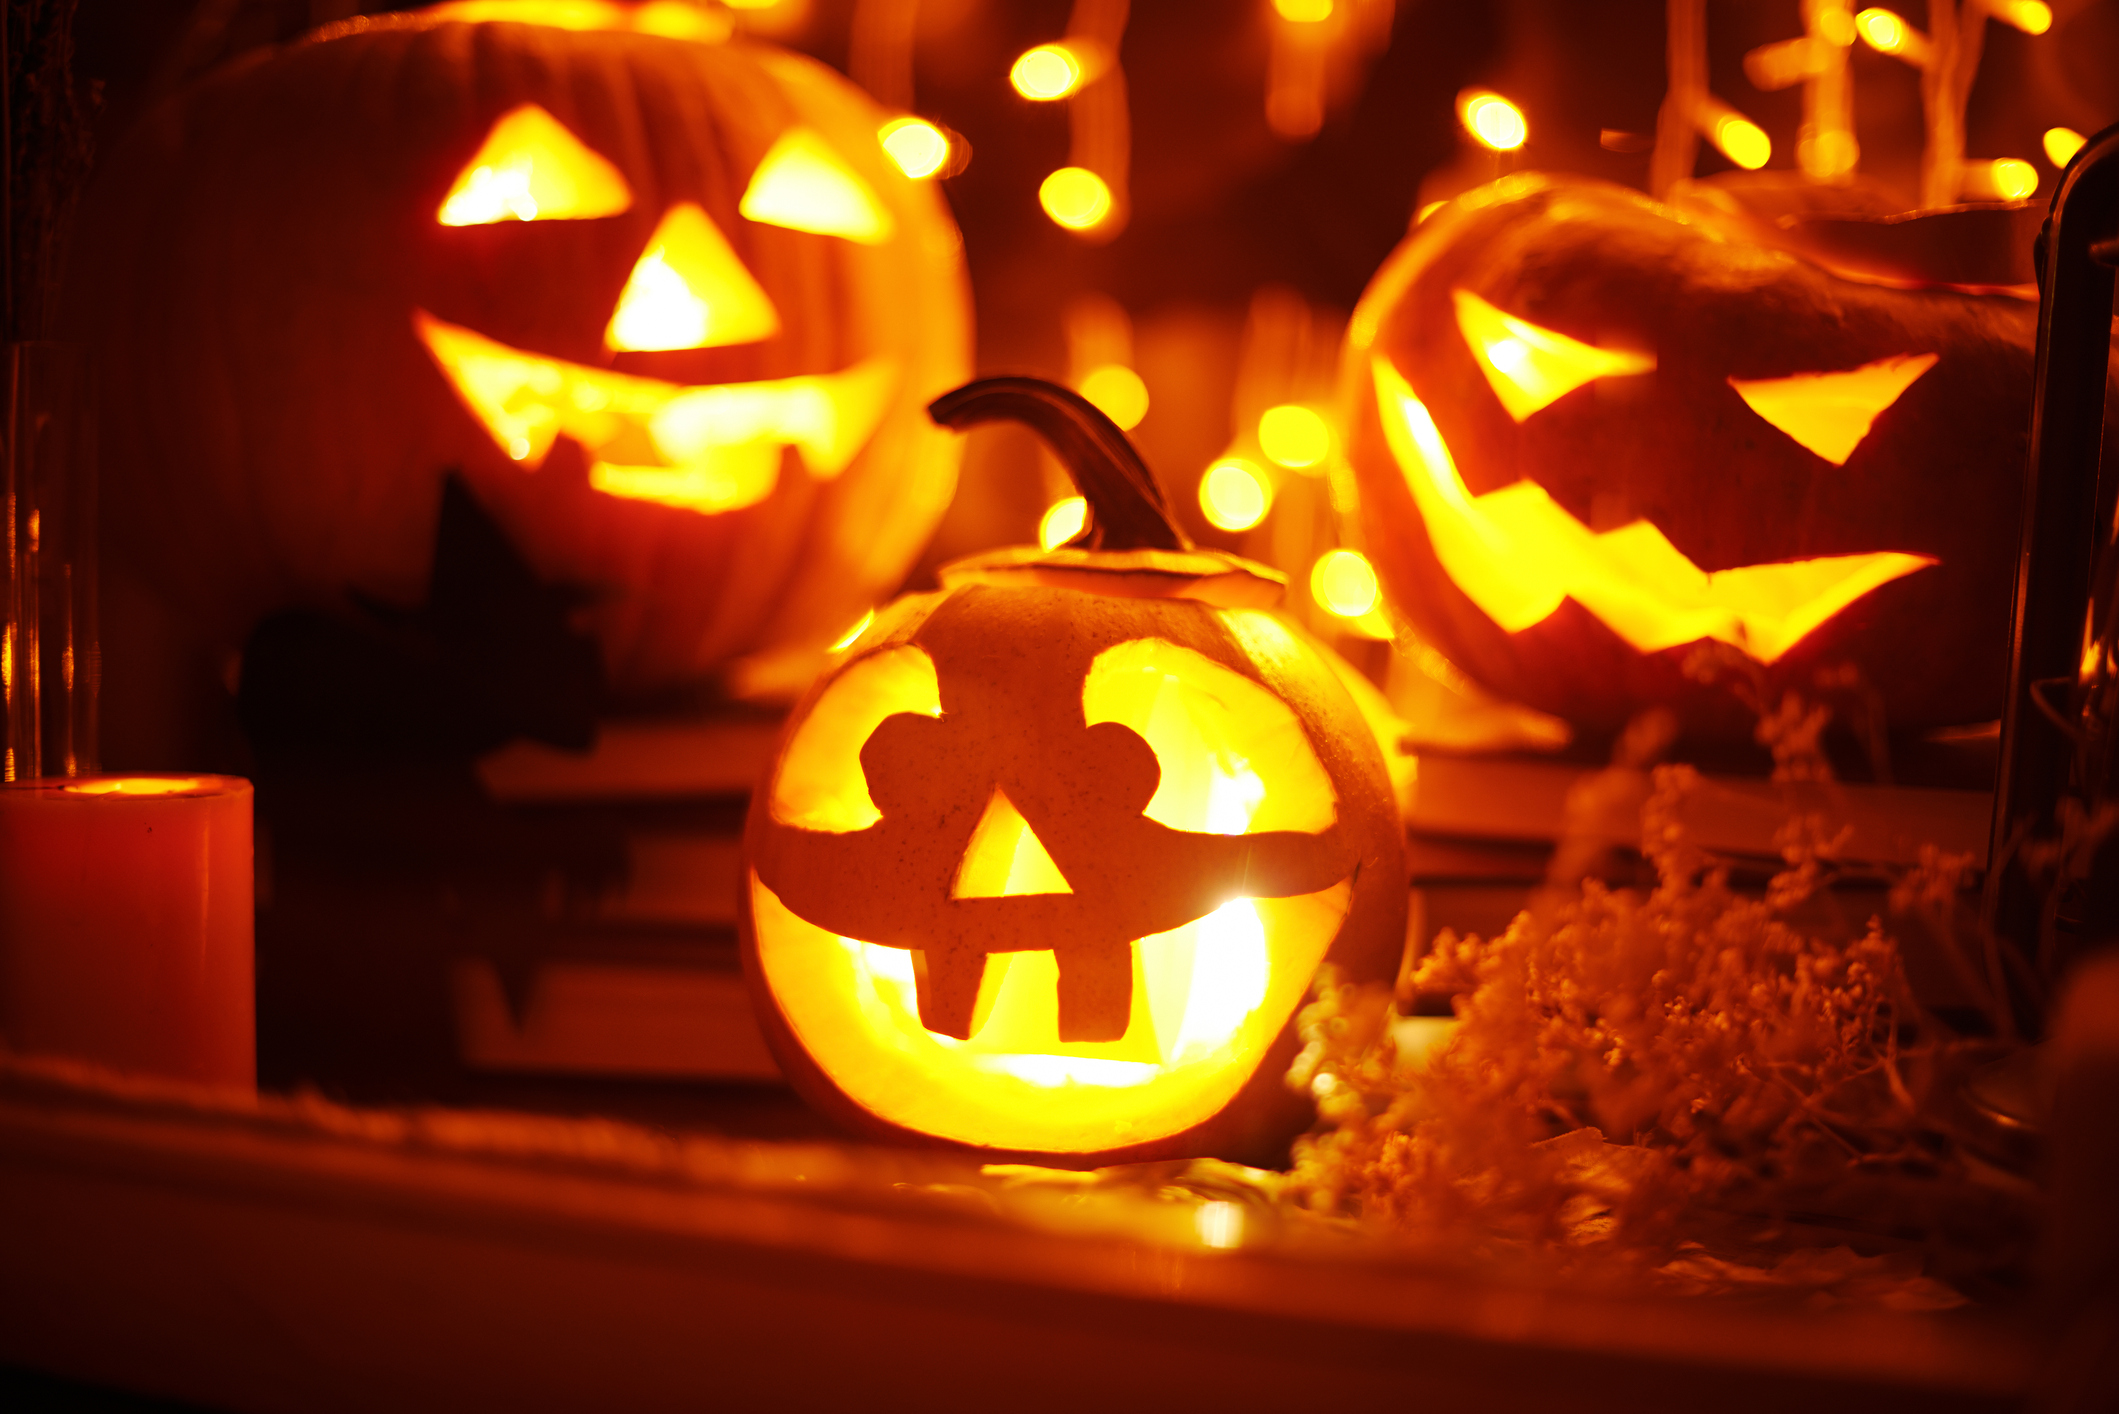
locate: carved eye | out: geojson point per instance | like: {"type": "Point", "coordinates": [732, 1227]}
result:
{"type": "Point", "coordinates": [689, 290]}
{"type": "Point", "coordinates": [532, 169]}
{"type": "Point", "coordinates": [1830, 413]}
{"type": "Point", "coordinates": [1531, 368]}
{"type": "Point", "coordinates": [805, 186]}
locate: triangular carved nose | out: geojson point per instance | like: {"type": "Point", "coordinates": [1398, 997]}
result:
{"type": "Point", "coordinates": [1005, 857]}
{"type": "Point", "coordinates": [690, 290]}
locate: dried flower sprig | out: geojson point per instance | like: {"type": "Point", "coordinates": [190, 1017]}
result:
{"type": "Point", "coordinates": [1680, 1083]}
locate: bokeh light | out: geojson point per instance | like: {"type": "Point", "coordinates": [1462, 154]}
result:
{"type": "Point", "coordinates": [1063, 521]}
{"type": "Point", "coordinates": [1494, 121]}
{"type": "Point", "coordinates": [1884, 31]}
{"type": "Point", "coordinates": [1118, 392]}
{"type": "Point", "coordinates": [918, 147]}
{"type": "Point", "coordinates": [1075, 197]}
{"type": "Point", "coordinates": [1234, 494]}
{"type": "Point", "coordinates": [2011, 178]}
{"type": "Point", "coordinates": [1048, 72]}
{"type": "Point", "coordinates": [1742, 141]}
{"type": "Point", "coordinates": [1294, 436]}
{"type": "Point", "coordinates": [2030, 16]}
{"type": "Point", "coordinates": [1344, 583]}
{"type": "Point", "coordinates": [2061, 145]}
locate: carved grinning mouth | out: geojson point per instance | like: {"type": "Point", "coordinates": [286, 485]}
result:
{"type": "Point", "coordinates": [1518, 553]}
{"type": "Point", "coordinates": [708, 448]}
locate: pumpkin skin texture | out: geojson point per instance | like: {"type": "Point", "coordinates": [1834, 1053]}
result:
{"type": "Point", "coordinates": [1047, 861]}
{"type": "Point", "coordinates": [266, 259]}
{"type": "Point", "coordinates": [1575, 513]}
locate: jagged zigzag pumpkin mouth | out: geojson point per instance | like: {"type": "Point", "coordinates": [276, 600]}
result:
{"type": "Point", "coordinates": [1517, 554]}
{"type": "Point", "coordinates": [709, 448]}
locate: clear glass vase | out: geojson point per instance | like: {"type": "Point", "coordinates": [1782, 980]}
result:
{"type": "Point", "coordinates": [50, 666]}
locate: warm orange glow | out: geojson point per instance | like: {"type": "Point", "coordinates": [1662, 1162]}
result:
{"type": "Point", "coordinates": [805, 186]}
{"type": "Point", "coordinates": [1220, 1224]}
{"type": "Point", "coordinates": [1493, 120]}
{"type": "Point", "coordinates": [713, 447]}
{"type": "Point", "coordinates": [1530, 368]}
{"type": "Point", "coordinates": [919, 148]}
{"type": "Point", "coordinates": [530, 168]}
{"type": "Point", "coordinates": [1832, 153]}
{"type": "Point", "coordinates": [819, 784]}
{"type": "Point", "coordinates": [1304, 12]}
{"type": "Point", "coordinates": [1235, 495]}
{"type": "Point", "coordinates": [2061, 145]}
{"type": "Point", "coordinates": [1886, 33]}
{"type": "Point", "coordinates": [852, 636]}
{"type": "Point", "coordinates": [673, 19]}
{"type": "Point", "coordinates": [137, 785]}
{"type": "Point", "coordinates": [1062, 521]}
{"type": "Point", "coordinates": [1741, 141]}
{"type": "Point", "coordinates": [1517, 554]}
{"type": "Point", "coordinates": [690, 291]}
{"type": "Point", "coordinates": [1294, 436]}
{"type": "Point", "coordinates": [1005, 858]}
{"type": "Point", "coordinates": [2004, 179]}
{"type": "Point", "coordinates": [1344, 583]}
{"type": "Point", "coordinates": [1830, 413]}
{"type": "Point", "coordinates": [1048, 72]}
{"type": "Point", "coordinates": [2030, 16]}
{"type": "Point", "coordinates": [1207, 998]}
{"type": "Point", "coordinates": [1118, 391]}
{"type": "Point", "coordinates": [1075, 197]}
{"type": "Point", "coordinates": [1788, 62]}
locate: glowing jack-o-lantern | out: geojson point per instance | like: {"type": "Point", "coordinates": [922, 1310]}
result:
{"type": "Point", "coordinates": [1047, 861]}
{"type": "Point", "coordinates": [1590, 432]}
{"type": "Point", "coordinates": [660, 296]}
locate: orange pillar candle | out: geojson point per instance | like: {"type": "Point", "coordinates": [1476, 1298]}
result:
{"type": "Point", "coordinates": [125, 924]}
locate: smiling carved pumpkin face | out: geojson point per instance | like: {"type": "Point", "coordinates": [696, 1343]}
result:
{"type": "Point", "coordinates": [1047, 862]}
{"type": "Point", "coordinates": [1591, 433]}
{"type": "Point", "coordinates": [662, 299]}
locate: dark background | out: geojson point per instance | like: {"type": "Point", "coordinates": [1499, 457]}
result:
{"type": "Point", "coordinates": [1221, 206]}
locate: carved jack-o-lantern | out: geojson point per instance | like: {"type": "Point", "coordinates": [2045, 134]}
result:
{"type": "Point", "coordinates": [664, 301]}
{"type": "Point", "coordinates": [1047, 862]}
{"type": "Point", "coordinates": [1591, 432]}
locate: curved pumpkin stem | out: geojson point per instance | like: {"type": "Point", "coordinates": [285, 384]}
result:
{"type": "Point", "coordinates": [1126, 507]}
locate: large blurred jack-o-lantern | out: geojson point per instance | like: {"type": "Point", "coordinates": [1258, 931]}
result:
{"type": "Point", "coordinates": [1591, 432]}
{"type": "Point", "coordinates": [1047, 862]}
{"type": "Point", "coordinates": [664, 301]}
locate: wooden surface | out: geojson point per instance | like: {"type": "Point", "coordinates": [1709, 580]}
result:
{"type": "Point", "coordinates": [292, 1255]}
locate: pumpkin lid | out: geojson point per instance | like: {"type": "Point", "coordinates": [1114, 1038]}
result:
{"type": "Point", "coordinates": [1128, 546]}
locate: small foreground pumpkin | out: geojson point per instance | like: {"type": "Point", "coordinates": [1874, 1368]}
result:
{"type": "Point", "coordinates": [1047, 861]}
{"type": "Point", "coordinates": [659, 296]}
{"type": "Point", "coordinates": [1591, 431]}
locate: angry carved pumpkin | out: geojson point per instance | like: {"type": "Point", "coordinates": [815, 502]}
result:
{"type": "Point", "coordinates": [1046, 863]}
{"type": "Point", "coordinates": [1590, 432]}
{"type": "Point", "coordinates": [660, 296]}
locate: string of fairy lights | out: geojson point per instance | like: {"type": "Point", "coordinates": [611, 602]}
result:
{"type": "Point", "coordinates": [1284, 436]}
